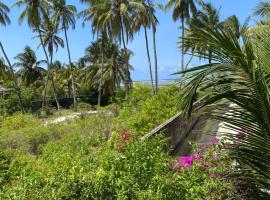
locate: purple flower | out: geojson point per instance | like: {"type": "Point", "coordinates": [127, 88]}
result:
{"type": "Point", "coordinates": [186, 160]}
{"type": "Point", "coordinates": [206, 166]}
{"type": "Point", "coordinates": [198, 156]}
{"type": "Point", "coordinates": [212, 175]}
{"type": "Point", "coordinates": [214, 140]}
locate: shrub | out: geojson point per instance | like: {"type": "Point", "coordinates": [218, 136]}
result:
{"type": "Point", "coordinates": [142, 112]}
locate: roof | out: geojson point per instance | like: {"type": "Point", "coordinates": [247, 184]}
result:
{"type": "Point", "coordinates": [3, 89]}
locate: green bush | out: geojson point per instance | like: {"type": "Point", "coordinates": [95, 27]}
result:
{"type": "Point", "coordinates": [142, 112]}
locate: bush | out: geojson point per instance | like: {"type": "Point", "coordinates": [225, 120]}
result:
{"type": "Point", "coordinates": [142, 112]}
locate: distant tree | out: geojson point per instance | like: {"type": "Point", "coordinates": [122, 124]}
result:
{"type": "Point", "coordinates": [49, 34]}
{"type": "Point", "coordinates": [112, 73]}
{"type": "Point", "coordinates": [182, 9]}
{"type": "Point", "coordinates": [65, 14]}
{"type": "Point", "coordinates": [30, 69]}
{"type": "Point", "coordinates": [4, 20]}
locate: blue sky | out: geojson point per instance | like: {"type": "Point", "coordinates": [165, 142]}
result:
{"type": "Point", "coordinates": [15, 37]}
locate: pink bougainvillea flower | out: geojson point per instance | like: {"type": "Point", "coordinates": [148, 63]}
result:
{"type": "Point", "coordinates": [212, 175]}
{"type": "Point", "coordinates": [214, 140]}
{"type": "Point", "coordinates": [186, 160]}
{"type": "Point", "coordinates": [198, 156]}
{"type": "Point", "coordinates": [125, 136]}
{"type": "Point", "coordinates": [206, 166]}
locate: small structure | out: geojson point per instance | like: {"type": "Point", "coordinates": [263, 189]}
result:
{"type": "Point", "coordinates": [3, 91]}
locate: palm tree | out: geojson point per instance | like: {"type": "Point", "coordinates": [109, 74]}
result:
{"type": "Point", "coordinates": [30, 70]}
{"type": "Point", "coordinates": [111, 73]}
{"type": "Point", "coordinates": [208, 17]}
{"type": "Point", "coordinates": [262, 9]}
{"type": "Point", "coordinates": [241, 72]}
{"type": "Point", "coordinates": [113, 17]}
{"type": "Point", "coordinates": [66, 15]}
{"type": "Point", "coordinates": [142, 18]}
{"type": "Point", "coordinates": [4, 72]}
{"type": "Point", "coordinates": [49, 34]}
{"type": "Point", "coordinates": [182, 10]}
{"type": "Point", "coordinates": [34, 12]}
{"type": "Point", "coordinates": [235, 25]}
{"type": "Point", "coordinates": [4, 20]}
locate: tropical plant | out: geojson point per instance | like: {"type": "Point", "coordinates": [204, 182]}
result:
{"type": "Point", "coordinates": [112, 72]}
{"type": "Point", "coordinates": [207, 17]}
{"type": "Point", "coordinates": [4, 72]}
{"type": "Point", "coordinates": [30, 68]}
{"type": "Point", "coordinates": [35, 12]}
{"type": "Point", "coordinates": [238, 95]}
{"type": "Point", "coordinates": [113, 17]}
{"type": "Point", "coordinates": [262, 9]}
{"type": "Point", "coordinates": [235, 25]}
{"type": "Point", "coordinates": [4, 20]}
{"type": "Point", "coordinates": [145, 17]}
{"type": "Point", "coordinates": [49, 34]}
{"type": "Point", "coordinates": [65, 14]}
{"type": "Point", "coordinates": [182, 9]}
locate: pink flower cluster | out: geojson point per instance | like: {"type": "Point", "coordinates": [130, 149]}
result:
{"type": "Point", "coordinates": [186, 162]}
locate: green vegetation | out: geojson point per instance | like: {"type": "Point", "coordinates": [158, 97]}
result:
{"type": "Point", "coordinates": [103, 156]}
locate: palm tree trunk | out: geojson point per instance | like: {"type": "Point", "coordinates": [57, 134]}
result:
{"type": "Point", "coordinates": [71, 70]}
{"type": "Point", "coordinates": [149, 61]}
{"type": "Point", "coordinates": [53, 84]}
{"type": "Point", "coordinates": [155, 57]}
{"type": "Point", "coordinates": [183, 43]}
{"type": "Point", "coordinates": [48, 75]}
{"type": "Point", "coordinates": [126, 55]}
{"type": "Point", "coordinates": [17, 89]}
{"type": "Point", "coordinates": [101, 75]}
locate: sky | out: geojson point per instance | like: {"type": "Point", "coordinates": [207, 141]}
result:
{"type": "Point", "coordinates": [15, 37]}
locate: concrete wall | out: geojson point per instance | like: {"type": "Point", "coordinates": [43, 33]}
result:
{"type": "Point", "coordinates": [181, 132]}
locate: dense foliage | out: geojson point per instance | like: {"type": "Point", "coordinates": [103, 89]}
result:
{"type": "Point", "coordinates": [84, 164]}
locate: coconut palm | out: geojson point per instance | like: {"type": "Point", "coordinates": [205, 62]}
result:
{"type": "Point", "coordinates": [182, 9]}
{"type": "Point", "coordinates": [49, 34]}
{"type": "Point", "coordinates": [242, 101]}
{"type": "Point", "coordinates": [142, 18]}
{"type": "Point", "coordinates": [235, 25]}
{"type": "Point", "coordinates": [262, 9]}
{"type": "Point", "coordinates": [4, 20]}
{"type": "Point", "coordinates": [35, 12]}
{"type": "Point", "coordinates": [65, 14]}
{"type": "Point", "coordinates": [145, 17]}
{"type": "Point", "coordinates": [113, 17]}
{"type": "Point", "coordinates": [110, 74]}
{"type": "Point", "coordinates": [4, 72]}
{"type": "Point", "coordinates": [208, 17]}
{"type": "Point", "coordinates": [30, 69]}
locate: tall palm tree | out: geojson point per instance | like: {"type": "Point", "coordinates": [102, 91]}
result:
{"type": "Point", "coordinates": [113, 17]}
{"type": "Point", "coordinates": [241, 71]}
{"type": "Point", "coordinates": [112, 73]}
{"type": "Point", "coordinates": [4, 20]}
{"type": "Point", "coordinates": [142, 18]}
{"type": "Point", "coordinates": [49, 34]}
{"type": "Point", "coordinates": [182, 9]}
{"type": "Point", "coordinates": [208, 17]}
{"type": "Point", "coordinates": [34, 12]}
{"type": "Point", "coordinates": [30, 69]}
{"type": "Point", "coordinates": [65, 14]}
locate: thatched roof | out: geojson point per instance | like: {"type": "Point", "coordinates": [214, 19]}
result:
{"type": "Point", "coordinates": [3, 89]}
